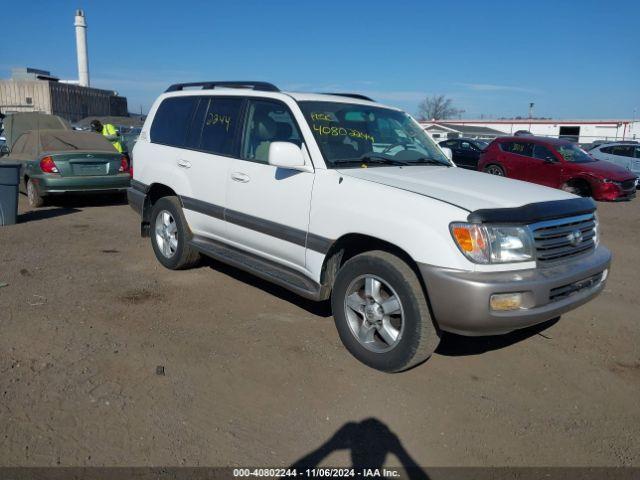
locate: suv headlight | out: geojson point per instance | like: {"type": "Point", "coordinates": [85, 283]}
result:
{"type": "Point", "coordinates": [493, 243]}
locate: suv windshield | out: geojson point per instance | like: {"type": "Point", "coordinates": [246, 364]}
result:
{"type": "Point", "coordinates": [351, 135]}
{"type": "Point", "coordinates": [573, 153]}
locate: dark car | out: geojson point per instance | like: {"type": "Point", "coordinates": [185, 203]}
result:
{"type": "Point", "coordinates": [557, 163]}
{"type": "Point", "coordinates": [466, 151]}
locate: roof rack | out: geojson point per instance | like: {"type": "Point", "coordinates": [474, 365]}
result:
{"type": "Point", "coordinates": [261, 86]}
{"type": "Point", "coordinates": [353, 95]}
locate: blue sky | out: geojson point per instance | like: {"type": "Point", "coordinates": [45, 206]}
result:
{"type": "Point", "coordinates": [574, 59]}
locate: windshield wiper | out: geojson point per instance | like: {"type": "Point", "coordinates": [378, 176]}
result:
{"type": "Point", "coordinates": [429, 161]}
{"type": "Point", "coordinates": [368, 158]}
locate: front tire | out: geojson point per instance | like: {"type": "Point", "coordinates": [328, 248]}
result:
{"type": "Point", "coordinates": [494, 169]}
{"type": "Point", "coordinates": [579, 188]}
{"type": "Point", "coordinates": [170, 235]}
{"type": "Point", "coordinates": [35, 199]}
{"type": "Point", "coordinates": [381, 312]}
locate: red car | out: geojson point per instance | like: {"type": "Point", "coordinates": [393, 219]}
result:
{"type": "Point", "coordinates": [557, 163]}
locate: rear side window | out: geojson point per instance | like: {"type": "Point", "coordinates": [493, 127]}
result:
{"type": "Point", "coordinates": [221, 125]}
{"type": "Point", "coordinates": [620, 150]}
{"type": "Point", "coordinates": [520, 148]}
{"type": "Point", "coordinates": [172, 121]}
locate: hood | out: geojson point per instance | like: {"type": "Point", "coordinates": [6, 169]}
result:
{"type": "Point", "coordinates": [464, 188]}
{"type": "Point", "coordinates": [604, 169]}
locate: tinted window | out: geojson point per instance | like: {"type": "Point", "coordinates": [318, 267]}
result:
{"type": "Point", "coordinates": [621, 150]}
{"type": "Point", "coordinates": [637, 155]}
{"type": "Point", "coordinates": [450, 144]}
{"type": "Point", "coordinates": [194, 134]}
{"type": "Point", "coordinates": [266, 122]}
{"type": "Point", "coordinates": [220, 125]}
{"type": "Point", "coordinates": [520, 148]}
{"type": "Point", "coordinates": [465, 146]}
{"type": "Point", "coordinates": [172, 120]}
{"type": "Point", "coordinates": [543, 153]}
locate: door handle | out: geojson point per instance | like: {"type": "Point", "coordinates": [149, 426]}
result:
{"type": "Point", "coordinates": [184, 163]}
{"type": "Point", "coordinates": [240, 177]}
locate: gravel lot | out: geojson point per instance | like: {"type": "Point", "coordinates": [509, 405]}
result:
{"type": "Point", "coordinates": [106, 358]}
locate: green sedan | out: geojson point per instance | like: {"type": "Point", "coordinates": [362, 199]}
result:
{"type": "Point", "coordinates": [68, 161]}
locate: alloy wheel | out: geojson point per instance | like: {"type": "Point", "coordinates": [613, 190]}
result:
{"type": "Point", "coordinates": [495, 170]}
{"type": "Point", "coordinates": [166, 232]}
{"type": "Point", "coordinates": [374, 313]}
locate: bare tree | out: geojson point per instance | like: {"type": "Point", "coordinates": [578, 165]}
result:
{"type": "Point", "coordinates": [437, 107]}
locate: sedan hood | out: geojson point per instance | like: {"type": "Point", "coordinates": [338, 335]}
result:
{"type": "Point", "coordinates": [464, 188]}
{"type": "Point", "coordinates": [604, 169]}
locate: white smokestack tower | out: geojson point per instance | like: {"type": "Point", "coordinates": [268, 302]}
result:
{"type": "Point", "coordinates": [81, 47]}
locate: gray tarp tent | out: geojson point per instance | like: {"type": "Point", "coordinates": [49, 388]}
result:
{"type": "Point", "coordinates": [15, 124]}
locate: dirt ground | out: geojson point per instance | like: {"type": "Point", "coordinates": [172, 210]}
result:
{"type": "Point", "coordinates": [107, 358]}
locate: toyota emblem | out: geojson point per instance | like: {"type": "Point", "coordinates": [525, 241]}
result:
{"type": "Point", "coordinates": [575, 237]}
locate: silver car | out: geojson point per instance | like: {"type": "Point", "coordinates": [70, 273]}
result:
{"type": "Point", "coordinates": [626, 155]}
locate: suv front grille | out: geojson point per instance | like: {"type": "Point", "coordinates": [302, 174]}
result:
{"type": "Point", "coordinates": [563, 238]}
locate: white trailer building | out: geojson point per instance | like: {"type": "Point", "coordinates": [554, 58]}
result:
{"type": "Point", "coordinates": [582, 131]}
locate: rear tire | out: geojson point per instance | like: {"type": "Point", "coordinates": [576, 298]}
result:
{"type": "Point", "coordinates": [381, 312]}
{"type": "Point", "coordinates": [170, 235]}
{"type": "Point", "coordinates": [494, 169]}
{"type": "Point", "coordinates": [35, 199]}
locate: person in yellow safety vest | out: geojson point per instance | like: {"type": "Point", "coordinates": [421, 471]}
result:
{"type": "Point", "coordinates": [109, 131]}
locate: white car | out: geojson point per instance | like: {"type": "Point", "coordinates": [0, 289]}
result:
{"type": "Point", "coordinates": [626, 155]}
{"type": "Point", "coordinates": [336, 196]}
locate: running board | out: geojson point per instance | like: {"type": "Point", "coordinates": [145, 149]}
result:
{"type": "Point", "coordinates": [260, 267]}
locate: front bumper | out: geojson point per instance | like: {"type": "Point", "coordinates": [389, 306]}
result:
{"type": "Point", "coordinates": [47, 185]}
{"type": "Point", "coordinates": [614, 192]}
{"type": "Point", "coordinates": [460, 299]}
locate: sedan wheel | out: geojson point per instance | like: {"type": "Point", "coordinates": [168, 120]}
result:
{"type": "Point", "coordinates": [35, 199]}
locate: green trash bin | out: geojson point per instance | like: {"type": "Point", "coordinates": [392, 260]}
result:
{"type": "Point", "coordinates": [9, 187]}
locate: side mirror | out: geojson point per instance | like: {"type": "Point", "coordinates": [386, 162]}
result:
{"type": "Point", "coordinates": [447, 152]}
{"type": "Point", "coordinates": [549, 160]}
{"type": "Point", "coordinates": [287, 155]}
{"type": "Point", "coordinates": [4, 150]}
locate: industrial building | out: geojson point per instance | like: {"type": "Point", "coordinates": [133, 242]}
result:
{"type": "Point", "coordinates": [581, 131]}
{"type": "Point", "coordinates": [35, 90]}
{"type": "Point", "coordinates": [32, 90]}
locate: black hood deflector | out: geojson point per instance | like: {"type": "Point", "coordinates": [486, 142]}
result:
{"type": "Point", "coordinates": [534, 212]}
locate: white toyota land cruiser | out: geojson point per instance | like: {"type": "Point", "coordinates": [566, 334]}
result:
{"type": "Point", "coordinates": [336, 196]}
